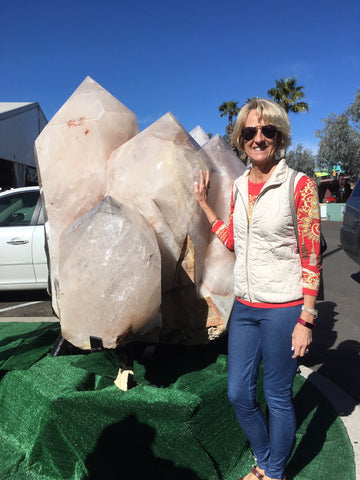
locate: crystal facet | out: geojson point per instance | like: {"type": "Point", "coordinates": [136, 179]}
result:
{"type": "Point", "coordinates": [199, 135]}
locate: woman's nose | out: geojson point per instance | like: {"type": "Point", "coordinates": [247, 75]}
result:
{"type": "Point", "coordinates": [259, 137]}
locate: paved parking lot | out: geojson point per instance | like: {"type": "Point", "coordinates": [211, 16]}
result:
{"type": "Point", "coordinates": [35, 303]}
{"type": "Point", "coordinates": [336, 346]}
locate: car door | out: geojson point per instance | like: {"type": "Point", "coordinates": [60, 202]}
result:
{"type": "Point", "coordinates": [38, 247]}
{"type": "Point", "coordinates": [350, 230]}
{"type": "Point", "coordinates": [17, 229]}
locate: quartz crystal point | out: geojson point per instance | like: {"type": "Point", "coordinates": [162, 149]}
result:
{"type": "Point", "coordinates": [154, 173]}
{"type": "Point", "coordinates": [72, 153]}
{"type": "Point", "coordinates": [199, 135]}
{"type": "Point", "coordinates": [110, 277]}
{"type": "Point", "coordinates": [217, 275]}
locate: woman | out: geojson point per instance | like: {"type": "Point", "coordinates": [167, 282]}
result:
{"type": "Point", "coordinates": [275, 285]}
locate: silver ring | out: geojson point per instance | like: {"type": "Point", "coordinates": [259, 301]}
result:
{"type": "Point", "coordinates": [306, 350]}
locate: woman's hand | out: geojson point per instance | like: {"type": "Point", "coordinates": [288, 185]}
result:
{"type": "Point", "coordinates": [201, 188]}
{"type": "Point", "coordinates": [302, 336]}
{"type": "Point", "coordinates": [201, 193]}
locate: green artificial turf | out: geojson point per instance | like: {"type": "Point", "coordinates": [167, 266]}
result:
{"type": "Point", "coordinates": [63, 417]}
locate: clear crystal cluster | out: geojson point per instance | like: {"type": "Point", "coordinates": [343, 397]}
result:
{"type": "Point", "coordinates": [131, 254]}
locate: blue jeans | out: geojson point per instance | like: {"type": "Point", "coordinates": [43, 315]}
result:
{"type": "Point", "coordinates": [255, 335]}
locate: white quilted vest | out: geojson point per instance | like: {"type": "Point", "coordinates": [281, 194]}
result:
{"type": "Point", "coordinates": [267, 267]}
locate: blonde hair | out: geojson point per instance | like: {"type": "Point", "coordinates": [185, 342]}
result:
{"type": "Point", "coordinates": [272, 114]}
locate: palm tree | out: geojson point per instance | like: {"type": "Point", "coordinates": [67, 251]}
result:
{"type": "Point", "coordinates": [288, 94]}
{"type": "Point", "coordinates": [231, 109]}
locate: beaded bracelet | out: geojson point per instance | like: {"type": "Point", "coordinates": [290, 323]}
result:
{"type": "Point", "coordinates": [305, 323]}
{"type": "Point", "coordinates": [312, 311]}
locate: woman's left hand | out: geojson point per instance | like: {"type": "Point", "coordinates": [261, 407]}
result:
{"type": "Point", "coordinates": [302, 337]}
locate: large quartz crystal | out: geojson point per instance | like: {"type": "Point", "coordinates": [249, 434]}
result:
{"type": "Point", "coordinates": [154, 173]}
{"type": "Point", "coordinates": [128, 244]}
{"type": "Point", "coordinates": [109, 275]}
{"type": "Point", "coordinates": [72, 153]}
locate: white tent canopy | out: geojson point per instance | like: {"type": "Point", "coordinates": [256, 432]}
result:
{"type": "Point", "coordinates": [20, 125]}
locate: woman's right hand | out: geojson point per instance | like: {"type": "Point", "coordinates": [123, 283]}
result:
{"type": "Point", "coordinates": [201, 188]}
{"type": "Point", "coordinates": [201, 193]}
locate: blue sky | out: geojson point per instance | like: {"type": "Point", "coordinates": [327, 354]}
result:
{"type": "Point", "coordinates": [186, 57]}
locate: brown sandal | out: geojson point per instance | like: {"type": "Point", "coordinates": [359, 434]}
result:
{"type": "Point", "coordinates": [255, 472]}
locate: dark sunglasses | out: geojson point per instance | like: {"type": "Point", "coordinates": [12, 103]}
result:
{"type": "Point", "coordinates": [269, 131]}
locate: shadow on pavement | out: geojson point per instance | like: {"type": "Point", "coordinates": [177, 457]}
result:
{"type": "Point", "coordinates": [356, 277]}
{"type": "Point", "coordinates": [335, 250]}
{"type": "Point", "coordinates": [24, 296]}
{"type": "Point", "coordinates": [341, 364]}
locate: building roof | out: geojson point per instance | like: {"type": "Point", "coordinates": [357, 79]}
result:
{"type": "Point", "coordinates": [8, 109]}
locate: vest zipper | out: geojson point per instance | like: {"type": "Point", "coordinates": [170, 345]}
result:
{"type": "Point", "coordinates": [246, 261]}
{"type": "Point", "coordinates": [248, 242]}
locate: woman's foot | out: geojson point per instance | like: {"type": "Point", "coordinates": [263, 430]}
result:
{"type": "Point", "coordinates": [255, 474]}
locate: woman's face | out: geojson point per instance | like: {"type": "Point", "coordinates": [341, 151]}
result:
{"type": "Point", "coordinates": [260, 150]}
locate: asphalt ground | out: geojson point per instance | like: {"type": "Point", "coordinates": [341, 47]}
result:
{"type": "Point", "coordinates": [25, 304]}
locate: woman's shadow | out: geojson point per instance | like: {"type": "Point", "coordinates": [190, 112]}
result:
{"type": "Point", "coordinates": [341, 365]}
{"type": "Point", "coordinates": [124, 450]}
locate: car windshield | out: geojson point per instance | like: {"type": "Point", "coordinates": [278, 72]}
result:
{"type": "Point", "coordinates": [17, 209]}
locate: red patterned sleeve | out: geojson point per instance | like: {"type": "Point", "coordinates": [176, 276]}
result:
{"type": "Point", "coordinates": [226, 233]}
{"type": "Point", "coordinates": [308, 215]}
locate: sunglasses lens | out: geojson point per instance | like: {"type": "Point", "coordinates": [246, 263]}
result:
{"type": "Point", "coordinates": [269, 131]}
{"type": "Point", "coordinates": [248, 133]}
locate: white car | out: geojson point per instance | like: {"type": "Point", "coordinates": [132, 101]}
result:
{"type": "Point", "coordinates": [23, 264]}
